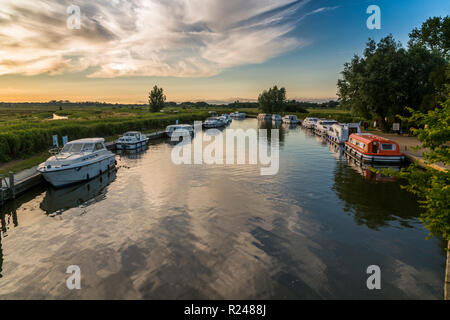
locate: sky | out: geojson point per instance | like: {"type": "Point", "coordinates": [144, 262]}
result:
{"type": "Point", "coordinates": [197, 50]}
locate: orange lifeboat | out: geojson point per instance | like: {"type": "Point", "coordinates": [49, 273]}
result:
{"type": "Point", "coordinates": [372, 148]}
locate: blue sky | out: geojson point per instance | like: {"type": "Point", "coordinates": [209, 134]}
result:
{"type": "Point", "coordinates": [196, 49]}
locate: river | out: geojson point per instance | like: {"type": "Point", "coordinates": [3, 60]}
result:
{"type": "Point", "coordinates": [156, 230]}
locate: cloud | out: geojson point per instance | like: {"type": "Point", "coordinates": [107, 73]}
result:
{"type": "Point", "coordinates": [182, 38]}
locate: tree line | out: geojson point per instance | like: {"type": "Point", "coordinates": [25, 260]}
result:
{"type": "Point", "coordinates": [410, 84]}
{"type": "Point", "coordinates": [388, 77]}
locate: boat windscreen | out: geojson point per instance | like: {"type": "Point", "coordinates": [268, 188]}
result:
{"type": "Point", "coordinates": [76, 147]}
{"type": "Point", "coordinates": [66, 148]}
{"type": "Point", "coordinates": [88, 147]}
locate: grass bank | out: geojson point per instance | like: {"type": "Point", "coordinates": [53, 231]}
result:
{"type": "Point", "coordinates": [25, 135]}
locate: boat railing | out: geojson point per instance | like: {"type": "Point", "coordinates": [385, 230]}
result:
{"type": "Point", "coordinates": [55, 151]}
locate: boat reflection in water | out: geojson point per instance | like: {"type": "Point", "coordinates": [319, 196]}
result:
{"type": "Point", "coordinates": [369, 172]}
{"type": "Point", "coordinates": [374, 204]}
{"type": "Point", "coordinates": [132, 154]}
{"type": "Point", "coordinates": [372, 172]}
{"type": "Point", "coordinates": [290, 126]}
{"type": "Point", "coordinates": [56, 201]}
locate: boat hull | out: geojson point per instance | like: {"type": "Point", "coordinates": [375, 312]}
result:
{"type": "Point", "coordinates": [65, 177]}
{"type": "Point", "coordinates": [373, 158]}
{"type": "Point", "coordinates": [212, 126]}
{"type": "Point", "coordinates": [131, 146]}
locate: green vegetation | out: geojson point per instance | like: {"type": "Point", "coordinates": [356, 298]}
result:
{"type": "Point", "coordinates": [23, 164]}
{"type": "Point", "coordinates": [388, 77]}
{"type": "Point", "coordinates": [272, 100]}
{"type": "Point", "coordinates": [28, 131]}
{"type": "Point", "coordinates": [432, 186]}
{"type": "Point", "coordinates": [410, 85]}
{"type": "Point", "coordinates": [156, 99]}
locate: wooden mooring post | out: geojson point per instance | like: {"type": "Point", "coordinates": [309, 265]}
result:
{"type": "Point", "coordinates": [447, 276]}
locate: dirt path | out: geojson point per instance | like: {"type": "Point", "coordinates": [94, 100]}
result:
{"type": "Point", "coordinates": [407, 144]}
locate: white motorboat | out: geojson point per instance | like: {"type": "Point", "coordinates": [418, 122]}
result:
{"type": "Point", "coordinates": [277, 118]}
{"type": "Point", "coordinates": [132, 140]}
{"type": "Point", "coordinates": [323, 126]}
{"type": "Point", "coordinates": [340, 132]}
{"type": "Point", "coordinates": [291, 119]}
{"type": "Point", "coordinates": [78, 161]}
{"type": "Point", "coordinates": [213, 122]}
{"type": "Point", "coordinates": [238, 115]}
{"type": "Point", "coordinates": [182, 129]}
{"type": "Point", "coordinates": [310, 122]}
{"type": "Point", "coordinates": [226, 118]}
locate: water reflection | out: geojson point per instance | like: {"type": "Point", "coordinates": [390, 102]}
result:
{"type": "Point", "coordinates": [368, 171]}
{"type": "Point", "coordinates": [133, 154]}
{"type": "Point", "coordinates": [56, 201]}
{"type": "Point", "coordinates": [290, 126]}
{"type": "Point", "coordinates": [166, 231]}
{"type": "Point", "coordinates": [269, 125]}
{"type": "Point", "coordinates": [371, 202]}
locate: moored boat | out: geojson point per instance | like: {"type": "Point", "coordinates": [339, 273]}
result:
{"type": "Point", "coordinates": [180, 128]}
{"type": "Point", "coordinates": [131, 140]}
{"type": "Point", "coordinates": [226, 118]}
{"type": "Point", "coordinates": [78, 161]}
{"type": "Point", "coordinates": [309, 122]}
{"type": "Point", "coordinates": [238, 115]}
{"type": "Point", "coordinates": [340, 132]}
{"type": "Point", "coordinates": [213, 122]}
{"type": "Point", "coordinates": [323, 126]}
{"type": "Point", "coordinates": [291, 119]}
{"type": "Point", "coordinates": [372, 148]}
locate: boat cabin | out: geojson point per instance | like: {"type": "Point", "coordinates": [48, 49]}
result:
{"type": "Point", "coordinates": [84, 145]}
{"type": "Point", "coordinates": [373, 145]}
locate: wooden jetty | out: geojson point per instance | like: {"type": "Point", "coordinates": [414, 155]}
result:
{"type": "Point", "coordinates": [16, 184]}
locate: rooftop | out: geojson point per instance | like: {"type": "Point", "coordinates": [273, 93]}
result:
{"type": "Point", "coordinates": [368, 137]}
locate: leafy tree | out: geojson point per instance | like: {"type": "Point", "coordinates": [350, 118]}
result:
{"type": "Point", "coordinates": [434, 34]}
{"type": "Point", "coordinates": [387, 78]}
{"type": "Point", "coordinates": [431, 185]}
{"type": "Point", "coordinates": [272, 100]}
{"type": "Point", "coordinates": [294, 106]}
{"type": "Point", "coordinates": [156, 99]}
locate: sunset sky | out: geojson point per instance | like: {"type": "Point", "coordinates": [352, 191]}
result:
{"type": "Point", "coordinates": [197, 50]}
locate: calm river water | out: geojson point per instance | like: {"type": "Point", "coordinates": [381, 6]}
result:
{"type": "Point", "coordinates": [155, 230]}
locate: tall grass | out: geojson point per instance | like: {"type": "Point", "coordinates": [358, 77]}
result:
{"type": "Point", "coordinates": [20, 137]}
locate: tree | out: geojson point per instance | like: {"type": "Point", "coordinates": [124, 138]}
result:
{"type": "Point", "coordinates": [387, 78]}
{"type": "Point", "coordinates": [434, 34]}
{"type": "Point", "coordinates": [156, 99]}
{"type": "Point", "coordinates": [432, 186]}
{"type": "Point", "coordinates": [272, 100]}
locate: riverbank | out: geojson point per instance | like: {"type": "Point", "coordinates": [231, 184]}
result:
{"type": "Point", "coordinates": [109, 223]}
{"type": "Point", "coordinates": [407, 145]}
